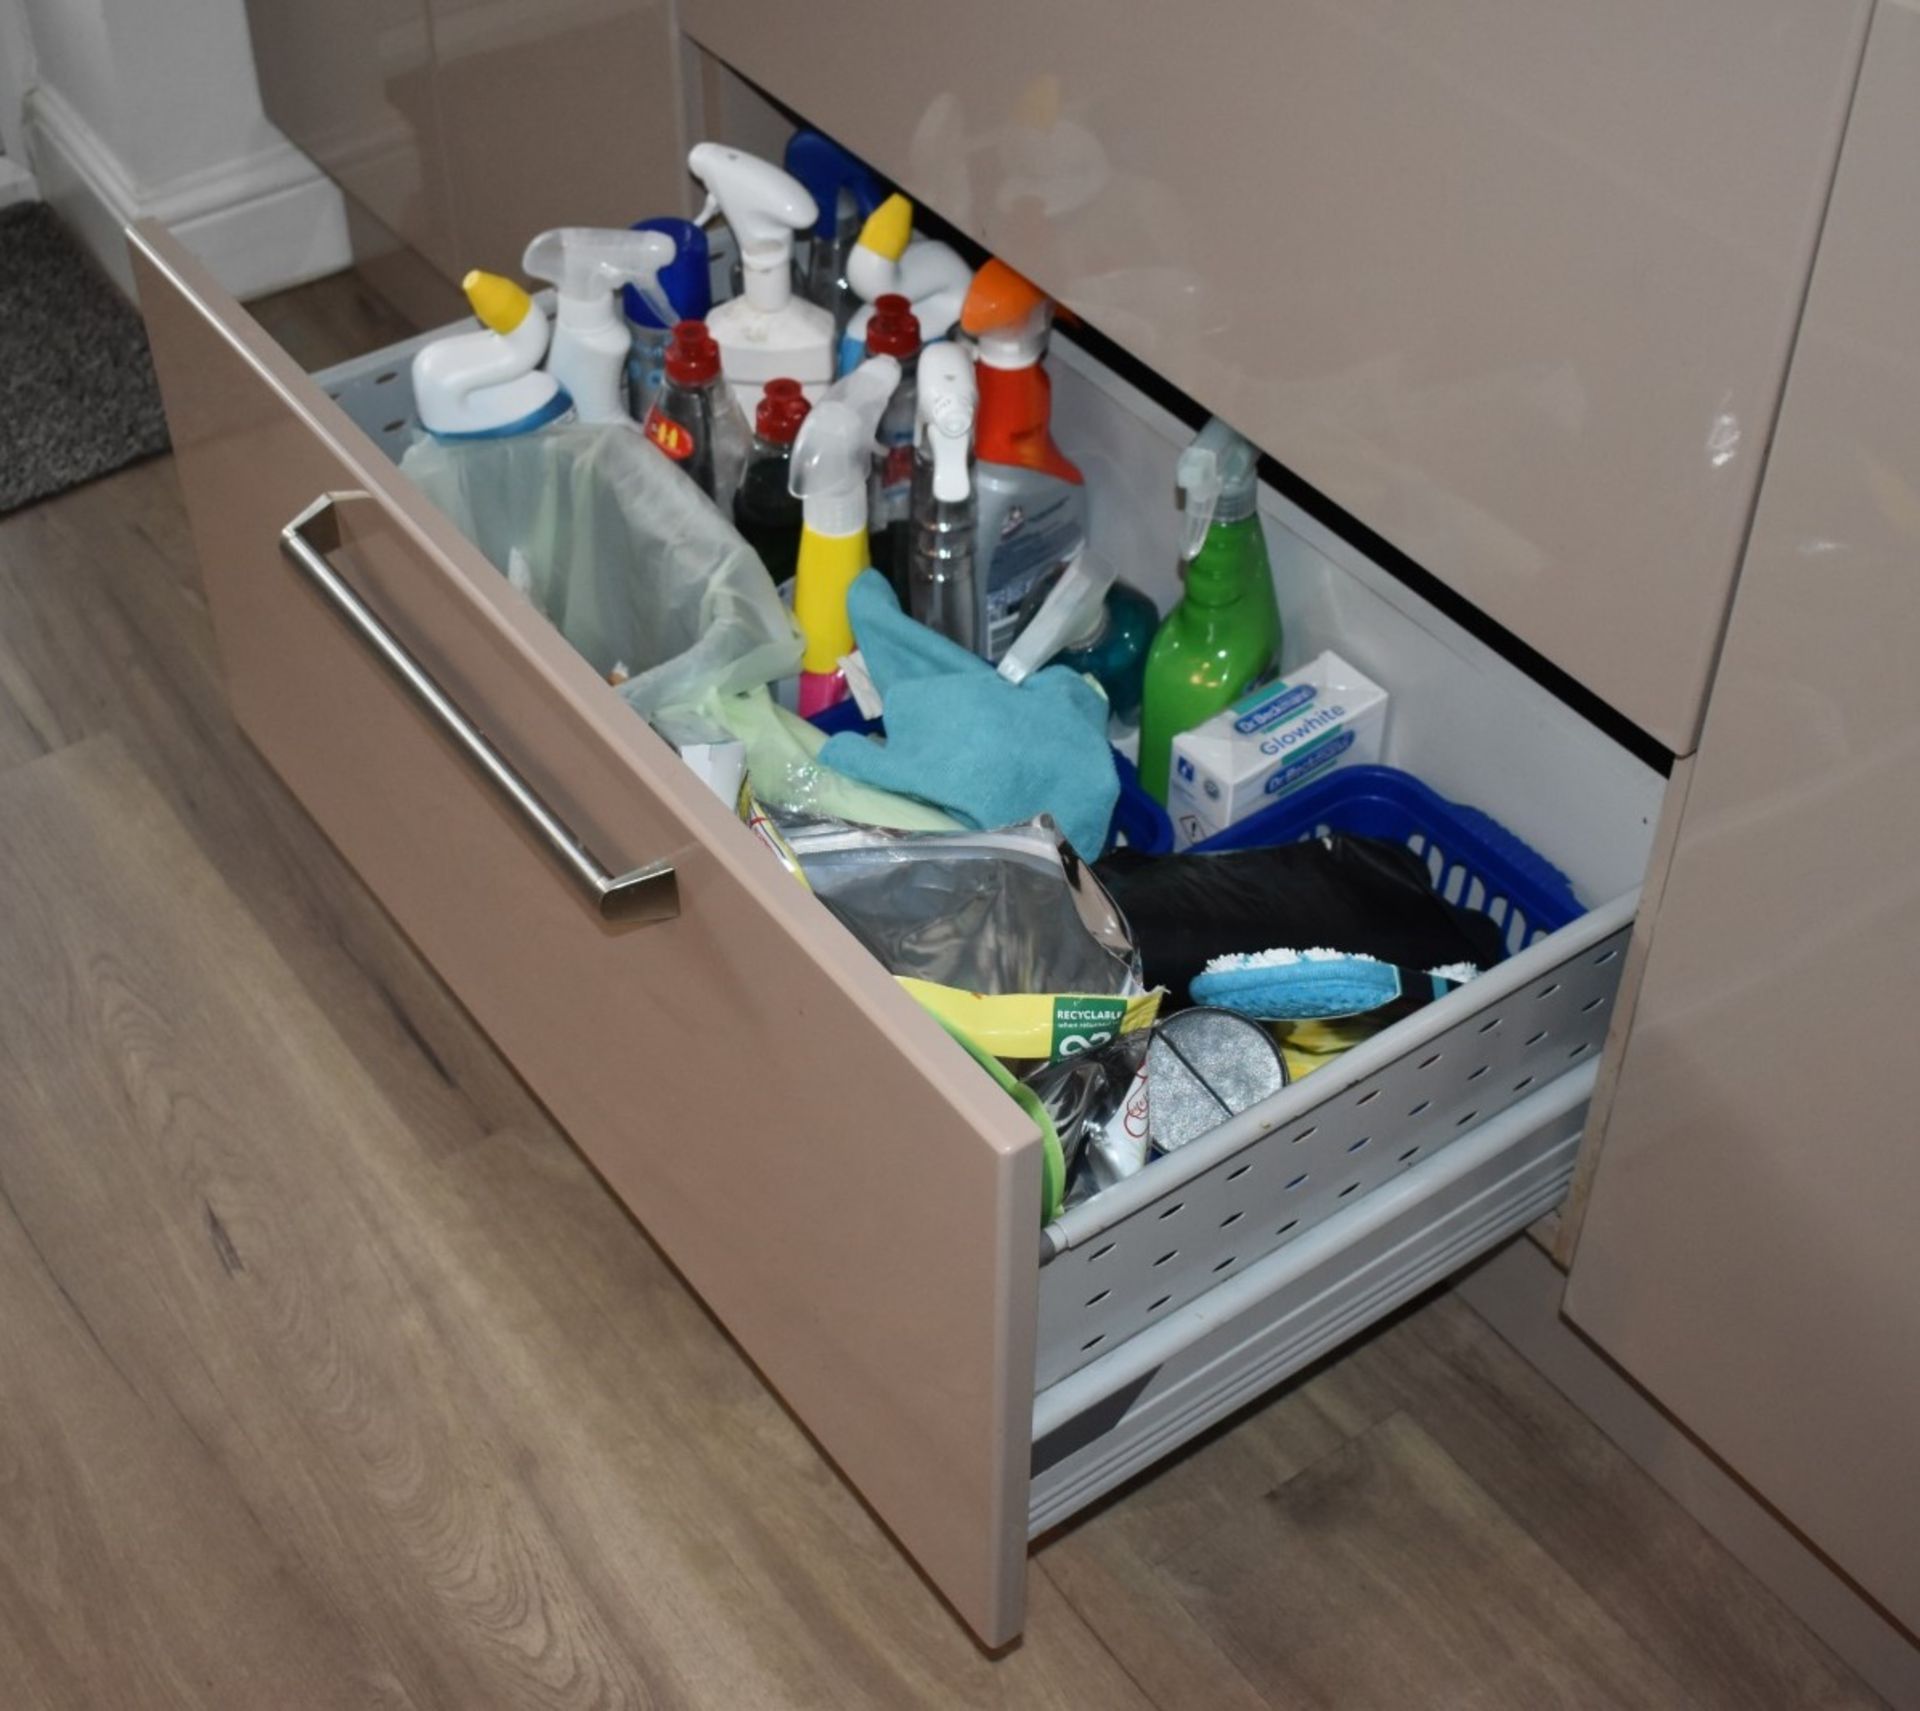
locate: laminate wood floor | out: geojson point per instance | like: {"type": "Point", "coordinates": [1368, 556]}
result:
{"type": "Point", "coordinates": [330, 1376]}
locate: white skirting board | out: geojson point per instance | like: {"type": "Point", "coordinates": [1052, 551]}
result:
{"type": "Point", "coordinates": [262, 222]}
{"type": "Point", "coordinates": [16, 183]}
{"type": "Point", "coordinates": [1517, 1291]}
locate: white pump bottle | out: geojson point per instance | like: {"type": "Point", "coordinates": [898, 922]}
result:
{"type": "Point", "coordinates": [588, 265]}
{"type": "Point", "coordinates": [766, 332]}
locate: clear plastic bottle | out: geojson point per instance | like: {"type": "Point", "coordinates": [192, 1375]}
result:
{"type": "Point", "coordinates": [683, 419]}
{"type": "Point", "coordinates": [894, 331]}
{"type": "Point", "coordinates": [764, 510]}
{"type": "Point", "coordinates": [942, 591]}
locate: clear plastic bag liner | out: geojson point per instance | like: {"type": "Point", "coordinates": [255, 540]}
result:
{"type": "Point", "coordinates": [626, 556]}
{"type": "Point", "coordinates": [788, 780]}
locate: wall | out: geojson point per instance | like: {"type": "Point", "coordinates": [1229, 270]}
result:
{"type": "Point", "coordinates": [137, 108]}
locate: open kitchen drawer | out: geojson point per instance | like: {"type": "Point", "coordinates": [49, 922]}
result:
{"type": "Point", "coordinates": [856, 1202]}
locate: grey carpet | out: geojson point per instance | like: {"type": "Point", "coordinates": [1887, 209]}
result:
{"type": "Point", "coordinates": [77, 394]}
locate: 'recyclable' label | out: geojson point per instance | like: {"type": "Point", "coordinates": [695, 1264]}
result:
{"type": "Point", "coordinates": [1080, 1024]}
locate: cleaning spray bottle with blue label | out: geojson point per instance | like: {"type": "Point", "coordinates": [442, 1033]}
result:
{"type": "Point", "coordinates": [588, 267]}
{"type": "Point", "coordinates": [1032, 499]}
{"type": "Point", "coordinates": [489, 384]}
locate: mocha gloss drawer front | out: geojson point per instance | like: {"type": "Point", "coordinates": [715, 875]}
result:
{"type": "Point", "coordinates": [852, 1197]}
{"type": "Point", "coordinates": [1513, 285]}
{"type": "Point", "coordinates": [756, 1089]}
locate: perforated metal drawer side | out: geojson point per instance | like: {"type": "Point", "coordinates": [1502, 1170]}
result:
{"type": "Point", "coordinates": [1169, 1253]}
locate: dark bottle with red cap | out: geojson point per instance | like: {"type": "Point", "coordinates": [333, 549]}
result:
{"type": "Point", "coordinates": [682, 418]}
{"type": "Point", "coordinates": [764, 510]}
{"type": "Point", "coordinates": [893, 330]}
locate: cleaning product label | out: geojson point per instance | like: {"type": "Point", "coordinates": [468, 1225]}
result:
{"type": "Point", "coordinates": [646, 371]}
{"type": "Point", "coordinates": [1315, 758]}
{"type": "Point", "coordinates": [1037, 1027]}
{"type": "Point", "coordinates": [669, 436]}
{"type": "Point", "coordinates": [1030, 525]}
{"type": "Point", "coordinates": [892, 482]}
{"type": "Point", "coordinates": [1272, 741]}
{"type": "Point", "coordinates": [1269, 710]}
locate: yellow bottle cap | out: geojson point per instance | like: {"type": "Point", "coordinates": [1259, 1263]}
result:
{"type": "Point", "coordinates": [500, 304]}
{"type": "Point", "coordinates": [889, 227]}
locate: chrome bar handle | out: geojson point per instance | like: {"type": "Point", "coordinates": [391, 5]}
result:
{"type": "Point", "coordinates": [650, 893]}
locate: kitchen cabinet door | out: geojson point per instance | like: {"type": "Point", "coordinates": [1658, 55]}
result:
{"type": "Point", "coordinates": [855, 1202]}
{"type": "Point", "coordinates": [556, 113]}
{"type": "Point", "coordinates": [1512, 284]}
{"type": "Point", "coordinates": [351, 82]}
{"type": "Point", "coordinates": [1751, 1251]}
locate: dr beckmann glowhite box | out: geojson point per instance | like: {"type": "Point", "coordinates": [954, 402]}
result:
{"type": "Point", "coordinates": [1271, 741]}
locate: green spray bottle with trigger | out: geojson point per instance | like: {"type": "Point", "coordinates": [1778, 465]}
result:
{"type": "Point", "coordinates": [1224, 635]}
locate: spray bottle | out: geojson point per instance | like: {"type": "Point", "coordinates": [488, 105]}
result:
{"type": "Point", "coordinates": [941, 591]}
{"type": "Point", "coordinates": [1224, 635]}
{"type": "Point", "coordinates": [489, 384]}
{"type": "Point", "coordinates": [588, 265]}
{"type": "Point", "coordinates": [831, 460]}
{"type": "Point", "coordinates": [846, 192]}
{"type": "Point", "coordinates": [889, 260]}
{"type": "Point", "coordinates": [1032, 499]}
{"type": "Point", "coordinates": [687, 288]}
{"type": "Point", "coordinates": [766, 332]}
{"type": "Point", "coordinates": [1096, 625]}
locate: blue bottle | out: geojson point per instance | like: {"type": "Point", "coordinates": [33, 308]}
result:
{"type": "Point", "coordinates": [688, 287]}
{"type": "Point", "coordinates": [1113, 650]}
{"type": "Point", "coordinates": [845, 191]}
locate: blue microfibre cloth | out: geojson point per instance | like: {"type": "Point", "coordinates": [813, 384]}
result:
{"type": "Point", "coordinates": [1316, 985]}
{"type": "Point", "coordinates": [960, 736]}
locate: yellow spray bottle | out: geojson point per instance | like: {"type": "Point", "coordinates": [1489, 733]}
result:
{"type": "Point", "coordinates": [831, 460]}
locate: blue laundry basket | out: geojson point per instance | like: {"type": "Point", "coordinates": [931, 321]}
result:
{"type": "Point", "coordinates": [1475, 861]}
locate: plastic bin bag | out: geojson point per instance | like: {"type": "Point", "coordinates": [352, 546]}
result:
{"type": "Point", "coordinates": [629, 559]}
{"type": "Point", "coordinates": [1053, 1164]}
{"type": "Point", "coordinates": [787, 777]}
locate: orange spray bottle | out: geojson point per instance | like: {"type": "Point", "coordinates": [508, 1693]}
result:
{"type": "Point", "coordinates": [1032, 499]}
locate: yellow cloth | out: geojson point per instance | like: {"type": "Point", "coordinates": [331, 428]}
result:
{"type": "Point", "coordinates": [1308, 1046]}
